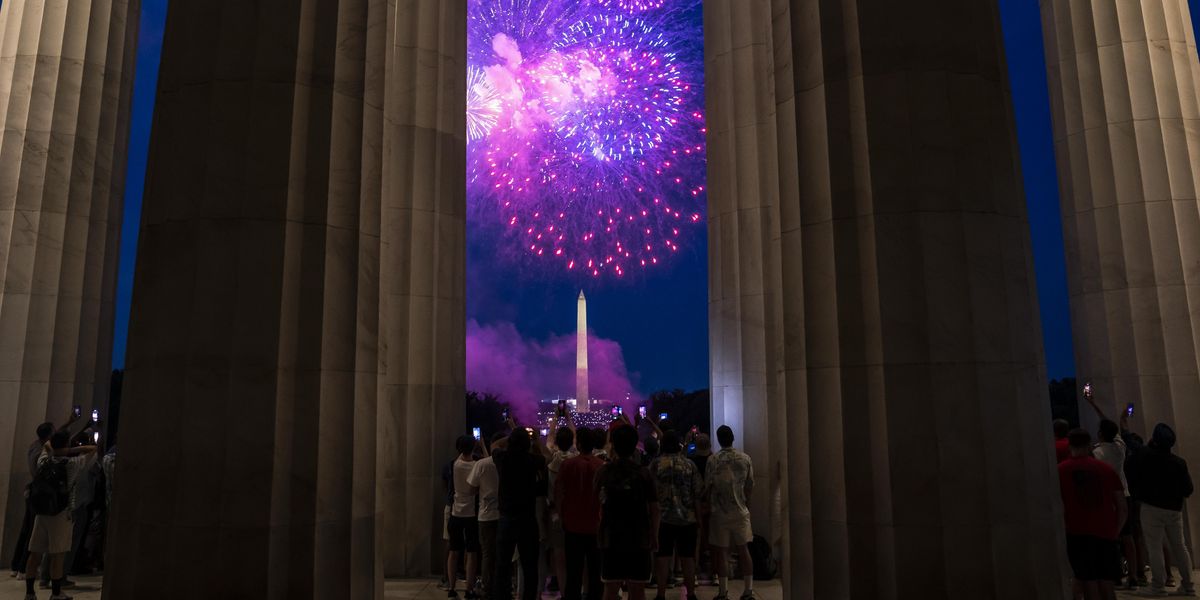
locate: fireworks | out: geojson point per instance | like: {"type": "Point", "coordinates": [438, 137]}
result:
{"type": "Point", "coordinates": [586, 129]}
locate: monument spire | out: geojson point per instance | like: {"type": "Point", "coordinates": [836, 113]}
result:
{"type": "Point", "coordinates": [581, 366]}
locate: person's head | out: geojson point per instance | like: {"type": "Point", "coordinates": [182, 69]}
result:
{"type": "Point", "coordinates": [1135, 441]}
{"type": "Point", "coordinates": [564, 438]}
{"type": "Point", "coordinates": [499, 440]}
{"type": "Point", "coordinates": [44, 431]}
{"type": "Point", "coordinates": [1163, 437]}
{"type": "Point", "coordinates": [1061, 428]}
{"type": "Point", "coordinates": [670, 443]}
{"type": "Point", "coordinates": [624, 441]}
{"type": "Point", "coordinates": [1080, 441]}
{"type": "Point", "coordinates": [518, 441]}
{"type": "Point", "coordinates": [703, 444]}
{"type": "Point", "coordinates": [59, 440]}
{"type": "Point", "coordinates": [464, 444]}
{"type": "Point", "coordinates": [651, 447]}
{"type": "Point", "coordinates": [585, 441]}
{"type": "Point", "coordinates": [1108, 430]}
{"type": "Point", "coordinates": [725, 436]}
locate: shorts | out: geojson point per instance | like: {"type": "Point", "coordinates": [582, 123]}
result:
{"type": "Point", "coordinates": [464, 534]}
{"type": "Point", "coordinates": [1094, 559]}
{"type": "Point", "coordinates": [729, 531]}
{"type": "Point", "coordinates": [626, 564]}
{"type": "Point", "coordinates": [679, 540]}
{"type": "Point", "coordinates": [51, 533]}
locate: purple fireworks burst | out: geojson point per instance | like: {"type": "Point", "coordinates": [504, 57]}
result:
{"type": "Point", "coordinates": [586, 129]}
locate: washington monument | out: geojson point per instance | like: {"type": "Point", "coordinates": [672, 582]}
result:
{"type": "Point", "coordinates": [581, 367]}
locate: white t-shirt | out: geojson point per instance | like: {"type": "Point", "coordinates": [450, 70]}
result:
{"type": "Point", "coordinates": [464, 496]}
{"type": "Point", "coordinates": [484, 476]}
{"type": "Point", "coordinates": [1113, 454]}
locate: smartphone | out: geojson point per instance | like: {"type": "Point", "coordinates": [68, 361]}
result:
{"type": "Point", "coordinates": [504, 413]}
{"type": "Point", "coordinates": [78, 410]}
{"type": "Point", "coordinates": [620, 411]}
{"type": "Point", "coordinates": [96, 437]}
{"type": "Point", "coordinates": [1087, 389]}
{"type": "Point", "coordinates": [545, 432]}
{"type": "Point", "coordinates": [476, 433]}
{"type": "Point", "coordinates": [96, 415]}
{"type": "Point", "coordinates": [1129, 410]}
{"type": "Point", "coordinates": [691, 448]}
{"type": "Point", "coordinates": [616, 411]}
{"type": "Point", "coordinates": [662, 416]}
{"type": "Point", "coordinates": [642, 411]}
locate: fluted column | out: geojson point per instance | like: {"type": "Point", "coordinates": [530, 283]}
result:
{"type": "Point", "coordinates": [423, 309]}
{"type": "Point", "coordinates": [1124, 81]}
{"type": "Point", "coordinates": [906, 345]}
{"type": "Point", "coordinates": [248, 450]}
{"type": "Point", "coordinates": [66, 78]}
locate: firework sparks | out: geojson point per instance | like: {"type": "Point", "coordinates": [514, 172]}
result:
{"type": "Point", "coordinates": [587, 129]}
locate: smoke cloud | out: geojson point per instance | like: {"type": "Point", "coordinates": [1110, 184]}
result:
{"type": "Point", "coordinates": [523, 371]}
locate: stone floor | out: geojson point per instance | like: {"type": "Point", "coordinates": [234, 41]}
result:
{"type": "Point", "coordinates": [88, 588]}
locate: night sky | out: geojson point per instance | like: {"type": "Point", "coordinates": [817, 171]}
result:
{"type": "Point", "coordinates": [660, 320]}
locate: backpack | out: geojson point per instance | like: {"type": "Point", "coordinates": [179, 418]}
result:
{"type": "Point", "coordinates": [765, 566]}
{"type": "Point", "coordinates": [49, 494]}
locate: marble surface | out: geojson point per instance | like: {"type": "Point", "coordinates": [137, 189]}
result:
{"type": "Point", "coordinates": [874, 334]}
{"type": "Point", "coordinates": [1124, 84]}
{"type": "Point", "coordinates": [66, 75]}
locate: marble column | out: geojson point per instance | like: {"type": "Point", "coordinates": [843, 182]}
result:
{"type": "Point", "coordinates": [423, 307]}
{"type": "Point", "coordinates": [248, 448]}
{"type": "Point", "coordinates": [1124, 81]}
{"type": "Point", "coordinates": [877, 142]}
{"type": "Point", "coordinates": [66, 79]}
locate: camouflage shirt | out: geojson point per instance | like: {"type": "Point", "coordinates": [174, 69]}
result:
{"type": "Point", "coordinates": [679, 485]}
{"type": "Point", "coordinates": [727, 474]}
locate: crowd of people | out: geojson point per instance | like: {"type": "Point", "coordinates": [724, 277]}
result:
{"type": "Point", "coordinates": [596, 511]}
{"type": "Point", "coordinates": [69, 489]}
{"type": "Point", "coordinates": [1123, 506]}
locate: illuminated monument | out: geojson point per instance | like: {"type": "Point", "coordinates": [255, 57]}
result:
{"type": "Point", "coordinates": [581, 366]}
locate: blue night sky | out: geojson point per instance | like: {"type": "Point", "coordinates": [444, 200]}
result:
{"type": "Point", "coordinates": [660, 321]}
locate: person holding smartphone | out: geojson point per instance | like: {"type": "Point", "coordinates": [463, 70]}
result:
{"type": "Point", "coordinates": [1111, 450]}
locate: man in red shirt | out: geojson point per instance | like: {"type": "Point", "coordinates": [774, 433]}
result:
{"type": "Point", "coordinates": [579, 507]}
{"type": "Point", "coordinates": [1062, 448]}
{"type": "Point", "coordinates": [1095, 510]}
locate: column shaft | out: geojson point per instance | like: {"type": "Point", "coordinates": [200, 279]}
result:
{"type": "Point", "coordinates": [1124, 82]}
{"type": "Point", "coordinates": [904, 346]}
{"type": "Point", "coordinates": [423, 309]}
{"type": "Point", "coordinates": [66, 78]}
{"type": "Point", "coordinates": [248, 445]}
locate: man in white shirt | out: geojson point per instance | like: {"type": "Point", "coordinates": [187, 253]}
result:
{"type": "Point", "coordinates": [486, 482]}
{"type": "Point", "coordinates": [52, 532]}
{"type": "Point", "coordinates": [463, 525]}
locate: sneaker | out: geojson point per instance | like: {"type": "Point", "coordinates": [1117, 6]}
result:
{"type": "Point", "coordinates": [452, 594]}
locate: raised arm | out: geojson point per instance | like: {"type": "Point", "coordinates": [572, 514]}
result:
{"type": "Point", "coordinates": [1091, 399]}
